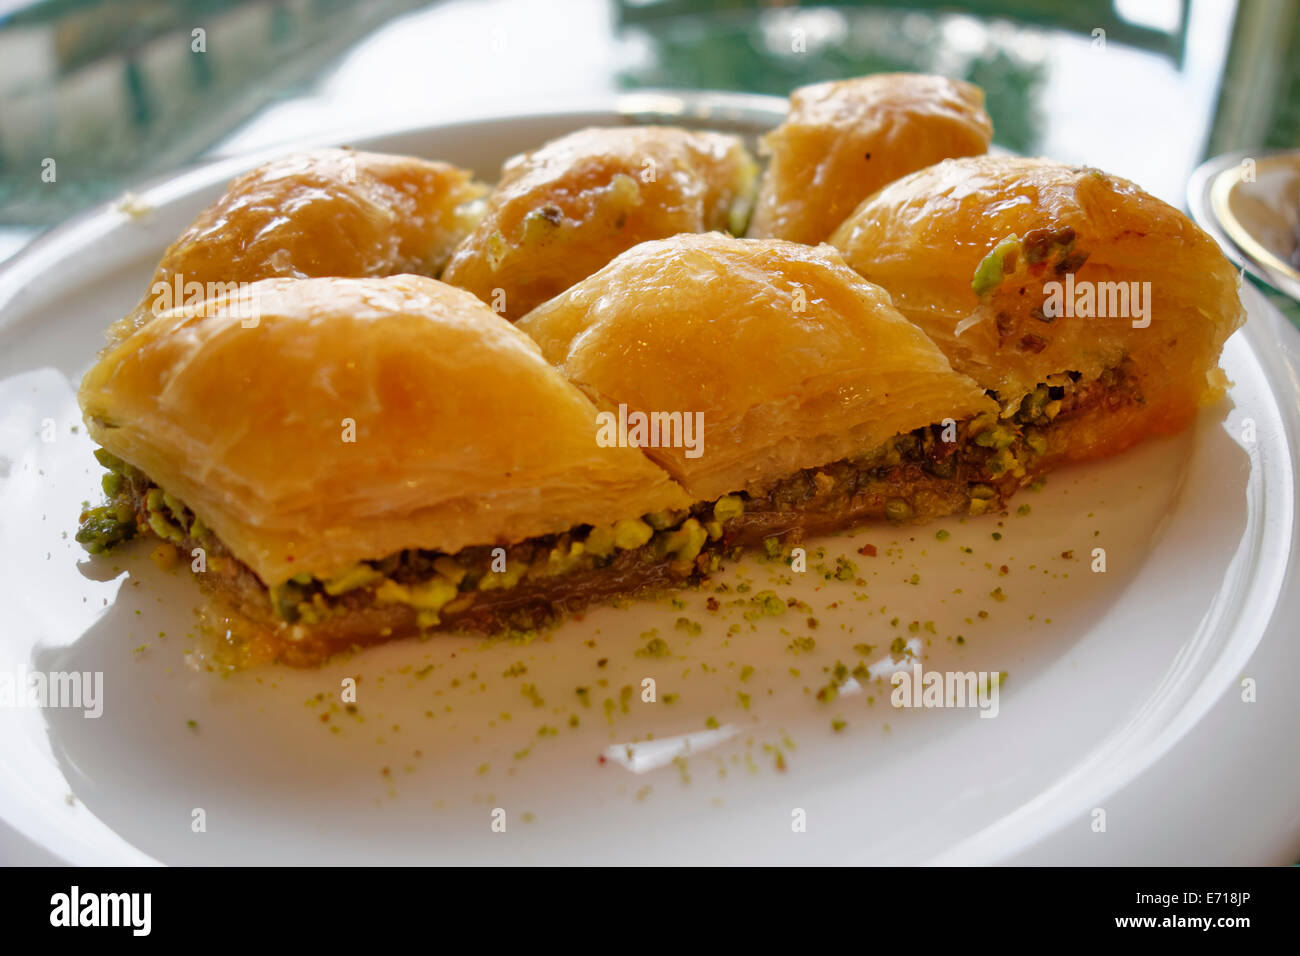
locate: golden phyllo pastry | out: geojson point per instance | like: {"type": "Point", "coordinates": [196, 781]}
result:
{"type": "Point", "coordinates": [844, 140]}
{"type": "Point", "coordinates": [788, 357]}
{"type": "Point", "coordinates": [351, 419]}
{"type": "Point", "coordinates": [356, 418]}
{"type": "Point", "coordinates": [329, 212]}
{"type": "Point", "coordinates": [562, 211]}
{"type": "Point", "coordinates": [1072, 294]}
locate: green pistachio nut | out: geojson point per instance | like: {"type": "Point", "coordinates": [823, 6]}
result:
{"type": "Point", "coordinates": [357, 576]}
{"type": "Point", "coordinates": [1000, 260]}
{"type": "Point", "coordinates": [630, 533]}
{"type": "Point", "coordinates": [728, 507]}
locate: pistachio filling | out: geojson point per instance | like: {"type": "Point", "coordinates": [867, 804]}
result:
{"type": "Point", "coordinates": [434, 584]}
{"type": "Point", "coordinates": [112, 523]}
{"type": "Point", "coordinates": [1039, 247]}
{"type": "Point", "coordinates": [970, 466]}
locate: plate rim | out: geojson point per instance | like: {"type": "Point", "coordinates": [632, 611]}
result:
{"type": "Point", "coordinates": [1199, 203]}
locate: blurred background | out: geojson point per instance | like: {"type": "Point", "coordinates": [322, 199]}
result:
{"type": "Point", "coordinates": [118, 91]}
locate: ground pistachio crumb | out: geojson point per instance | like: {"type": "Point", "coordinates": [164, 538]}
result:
{"type": "Point", "coordinates": [657, 647]}
{"type": "Point", "coordinates": [764, 604]}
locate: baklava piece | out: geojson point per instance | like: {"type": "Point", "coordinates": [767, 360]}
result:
{"type": "Point", "coordinates": [328, 212]}
{"type": "Point", "coordinates": [1072, 296]}
{"type": "Point", "coordinates": [844, 140]}
{"type": "Point", "coordinates": [565, 209]}
{"type": "Point", "coordinates": [351, 461]}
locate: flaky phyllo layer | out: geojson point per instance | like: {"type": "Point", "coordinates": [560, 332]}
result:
{"type": "Point", "coordinates": [346, 460]}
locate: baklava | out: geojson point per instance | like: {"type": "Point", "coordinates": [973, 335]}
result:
{"type": "Point", "coordinates": [349, 462]}
{"type": "Point", "coordinates": [841, 141]}
{"type": "Point", "coordinates": [563, 210]}
{"type": "Point", "coordinates": [1071, 295]}
{"type": "Point", "coordinates": [326, 212]}
{"type": "Point", "coordinates": [346, 452]}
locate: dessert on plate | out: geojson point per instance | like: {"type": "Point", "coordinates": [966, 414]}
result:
{"type": "Point", "coordinates": [406, 408]}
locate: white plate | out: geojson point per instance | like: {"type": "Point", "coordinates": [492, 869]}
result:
{"type": "Point", "coordinates": [1123, 691]}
